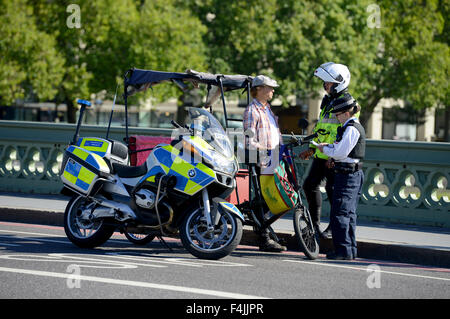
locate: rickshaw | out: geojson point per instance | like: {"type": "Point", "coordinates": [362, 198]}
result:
{"type": "Point", "coordinates": [302, 222]}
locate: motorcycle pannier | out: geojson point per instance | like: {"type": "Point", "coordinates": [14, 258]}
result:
{"type": "Point", "coordinates": [81, 169]}
{"type": "Point", "coordinates": [278, 193]}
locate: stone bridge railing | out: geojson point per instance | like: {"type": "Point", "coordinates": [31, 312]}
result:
{"type": "Point", "coordinates": [405, 182]}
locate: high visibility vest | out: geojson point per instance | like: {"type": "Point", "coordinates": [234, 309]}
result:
{"type": "Point", "coordinates": [329, 123]}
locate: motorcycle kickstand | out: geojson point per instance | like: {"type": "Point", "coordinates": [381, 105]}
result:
{"type": "Point", "coordinates": [164, 243]}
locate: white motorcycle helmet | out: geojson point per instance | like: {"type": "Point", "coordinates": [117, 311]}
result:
{"type": "Point", "coordinates": [334, 73]}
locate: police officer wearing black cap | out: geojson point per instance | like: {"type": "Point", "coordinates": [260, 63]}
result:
{"type": "Point", "coordinates": [347, 152]}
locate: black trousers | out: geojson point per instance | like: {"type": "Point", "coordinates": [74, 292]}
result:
{"type": "Point", "coordinates": [264, 232]}
{"type": "Point", "coordinates": [318, 172]}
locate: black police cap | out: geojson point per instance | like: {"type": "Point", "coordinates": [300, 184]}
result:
{"type": "Point", "coordinates": [344, 103]}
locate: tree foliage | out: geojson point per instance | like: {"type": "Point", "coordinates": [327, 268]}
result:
{"type": "Point", "coordinates": [31, 64]}
{"type": "Point", "coordinates": [413, 60]}
{"type": "Point", "coordinates": [112, 37]}
{"type": "Point", "coordinates": [394, 49]}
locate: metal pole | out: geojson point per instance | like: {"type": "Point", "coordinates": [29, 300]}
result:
{"type": "Point", "coordinates": [77, 131]}
{"type": "Point", "coordinates": [248, 93]}
{"type": "Point", "coordinates": [112, 111]}
{"type": "Point", "coordinates": [223, 102]}
{"type": "Point", "coordinates": [126, 116]}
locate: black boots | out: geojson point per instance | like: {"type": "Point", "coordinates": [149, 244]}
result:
{"type": "Point", "coordinates": [271, 246]}
{"type": "Point", "coordinates": [326, 234]}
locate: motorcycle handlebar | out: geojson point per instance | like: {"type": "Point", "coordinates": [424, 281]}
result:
{"type": "Point", "coordinates": [309, 138]}
{"type": "Point", "coordinates": [175, 124]}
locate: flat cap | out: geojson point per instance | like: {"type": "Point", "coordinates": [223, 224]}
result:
{"type": "Point", "coordinates": [264, 80]}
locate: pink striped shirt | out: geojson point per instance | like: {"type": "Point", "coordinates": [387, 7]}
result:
{"type": "Point", "coordinates": [257, 126]}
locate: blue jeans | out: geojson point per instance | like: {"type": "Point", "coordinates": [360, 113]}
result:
{"type": "Point", "coordinates": [346, 193]}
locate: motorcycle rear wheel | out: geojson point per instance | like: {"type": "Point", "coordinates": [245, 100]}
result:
{"type": "Point", "coordinates": [305, 233]}
{"type": "Point", "coordinates": [83, 232]}
{"type": "Point", "coordinates": [139, 239]}
{"type": "Point", "coordinates": [205, 244]}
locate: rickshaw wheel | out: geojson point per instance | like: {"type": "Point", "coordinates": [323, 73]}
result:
{"type": "Point", "coordinates": [305, 233]}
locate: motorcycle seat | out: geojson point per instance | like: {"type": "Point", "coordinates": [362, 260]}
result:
{"type": "Point", "coordinates": [129, 171]}
{"type": "Point", "coordinates": [119, 149]}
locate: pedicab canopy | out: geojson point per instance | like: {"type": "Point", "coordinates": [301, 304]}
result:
{"type": "Point", "coordinates": [137, 80]}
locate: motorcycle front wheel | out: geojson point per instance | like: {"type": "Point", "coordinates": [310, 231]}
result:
{"type": "Point", "coordinates": [305, 234]}
{"type": "Point", "coordinates": [207, 243]}
{"type": "Point", "coordinates": [82, 231]}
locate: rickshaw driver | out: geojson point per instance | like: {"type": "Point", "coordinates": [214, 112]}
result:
{"type": "Point", "coordinates": [263, 138]}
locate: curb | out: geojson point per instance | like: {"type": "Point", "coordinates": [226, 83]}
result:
{"type": "Point", "coordinates": [32, 216]}
{"type": "Point", "coordinates": [366, 248]}
{"type": "Point", "coordinates": [370, 249]}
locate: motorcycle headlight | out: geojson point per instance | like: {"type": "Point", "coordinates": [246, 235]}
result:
{"type": "Point", "coordinates": [223, 164]}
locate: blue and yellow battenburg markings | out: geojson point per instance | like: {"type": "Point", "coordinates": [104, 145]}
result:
{"type": "Point", "coordinates": [89, 157]}
{"type": "Point", "coordinates": [94, 145]}
{"type": "Point", "coordinates": [79, 175]}
{"type": "Point", "coordinates": [202, 145]}
{"type": "Point", "coordinates": [191, 177]}
{"type": "Point", "coordinates": [232, 208]}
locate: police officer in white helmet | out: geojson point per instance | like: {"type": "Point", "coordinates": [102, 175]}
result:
{"type": "Point", "coordinates": [336, 79]}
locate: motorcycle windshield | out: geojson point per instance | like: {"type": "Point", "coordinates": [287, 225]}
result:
{"type": "Point", "coordinates": [208, 127]}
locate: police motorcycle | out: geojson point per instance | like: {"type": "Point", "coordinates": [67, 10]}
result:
{"type": "Point", "coordinates": [181, 187]}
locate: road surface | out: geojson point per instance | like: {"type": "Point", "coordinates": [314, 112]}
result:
{"type": "Point", "coordinates": [38, 261]}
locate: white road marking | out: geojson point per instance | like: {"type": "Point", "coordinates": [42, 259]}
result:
{"type": "Point", "coordinates": [319, 263]}
{"type": "Point", "coordinates": [181, 261]}
{"type": "Point", "coordinates": [37, 234]}
{"type": "Point", "coordinates": [52, 235]}
{"type": "Point", "coordinates": [28, 233]}
{"type": "Point", "coordinates": [152, 259]}
{"type": "Point", "coordinates": [130, 261]}
{"type": "Point", "coordinates": [84, 258]}
{"type": "Point", "coordinates": [12, 245]}
{"type": "Point", "coordinates": [85, 263]}
{"type": "Point", "coordinates": [190, 290]}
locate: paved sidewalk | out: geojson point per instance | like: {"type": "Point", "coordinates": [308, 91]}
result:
{"type": "Point", "coordinates": [376, 240]}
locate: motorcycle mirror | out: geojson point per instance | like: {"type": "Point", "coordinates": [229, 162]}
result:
{"type": "Point", "coordinates": [303, 123]}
